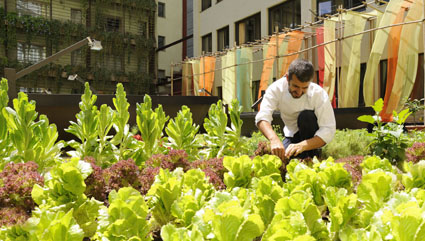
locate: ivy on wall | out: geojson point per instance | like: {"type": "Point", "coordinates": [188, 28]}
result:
{"type": "Point", "coordinates": [58, 34]}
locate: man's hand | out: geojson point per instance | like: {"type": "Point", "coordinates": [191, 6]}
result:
{"type": "Point", "coordinates": [294, 150]}
{"type": "Point", "coordinates": [278, 149]}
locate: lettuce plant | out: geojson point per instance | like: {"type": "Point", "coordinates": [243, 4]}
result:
{"type": "Point", "coordinates": [215, 126]}
{"type": "Point", "coordinates": [31, 140]}
{"type": "Point", "coordinates": [150, 123]}
{"type": "Point", "coordinates": [5, 145]}
{"type": "Point", "coordinates": [181, 132]}
{"type": "Point", "coordinates": [125, 218]}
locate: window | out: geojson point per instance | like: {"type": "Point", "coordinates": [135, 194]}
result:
{"type": "Point", "coordinates": [223, 38]}
{"type": "Point", "coordinates": [285, 15]}
{"type": "Point", "coordinates": [30, 53]}
{"type": "Point", "coordinates": [113, 24]}
{"type": "Point", "coordinates": [143, 29]}
{"type": "Point", "coordinates": [207, 43]}
{"type": "Point", "coordinates": [206, 4]}
{"type": "Point", "coordinates": [249, 29]}
{"type": "Point", "coordinates": [77, 57]}
{"type": "Point", "coordinates": [114, 63]}
{"type": "Point", "coordinates": [25, 7]}
{"type": "Point", "coordinates": [161, 41]}
{"type": "Point", "coordinates": [161, 9]}
{"type": "Point", "coordinates": [331, 6]}
{"type": "Point", "coordinates": [161, 76]}
{"type": "Point", "coordinates": [76, 16]}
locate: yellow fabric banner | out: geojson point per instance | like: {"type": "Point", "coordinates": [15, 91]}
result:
{"type": "Point", "coordinates": [187, 79]}
{"type": "Point", "coordinates": [407, 64]}
{"type": "Point", "coordinates": [330, 59]}
{"type": "Point", "coordinates": [196, 71]}
{"type": "Point", "coordinates": [283, 48]}
{"type": "Point", "coordinates": [228, 77]}
{"type": "Point", "coordinates": [370, 82]}
{"type": "Point", "coordinates": [349, 83]}
{"type": "Point", "coordinates": [294, 45]}
{"type": "Point", "coordinates": [206, 79]}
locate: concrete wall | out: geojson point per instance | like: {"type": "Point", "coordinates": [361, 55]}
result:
{"type": "Point", "coordinates": [228, 12]}
{"type": "Point", "coordinates": [170, 26]}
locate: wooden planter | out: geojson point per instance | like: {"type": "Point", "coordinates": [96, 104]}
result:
{"type": "Point", "coordinates": [415, 127]}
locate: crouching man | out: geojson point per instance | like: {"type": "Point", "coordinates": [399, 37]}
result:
{"type": "Point", "coordinates": [305, 110]}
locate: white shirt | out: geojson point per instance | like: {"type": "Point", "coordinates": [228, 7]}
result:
{"type": "Point", "coordinates": [277, 97]}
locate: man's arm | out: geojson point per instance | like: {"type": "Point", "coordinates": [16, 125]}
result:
{"type": "Point", "coordinates": [306, 145]}
{"type": "Point", "coordinates": [275, 143]}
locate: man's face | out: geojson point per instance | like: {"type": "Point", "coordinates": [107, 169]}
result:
{"type": "Point", "coordinates": [296, 87]}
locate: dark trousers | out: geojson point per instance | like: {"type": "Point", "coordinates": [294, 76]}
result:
{"type": "Point", "coordinates": [307, 127]}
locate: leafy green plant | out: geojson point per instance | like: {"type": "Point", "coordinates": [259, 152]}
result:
{"type": "Point", "coordinates": [348, 143]}
{"type": "Point", "coordinates": [389, 141]}
{"type": "Point", "coordinates": [126, 217]}
{"type": "Point", "coordinates": [215, 126]}
{"type": "Point", "coordinates": [85, 129]}
{"type": "Point", "coordinates": [235, 141]}
{"type": "Point", "coordinates": [31, 140]}
{"type": "Point", "coordinates": [5, 146]}
{"type": "Point", "coordinates": [181, 132]}
{"type": "Point", "coordinates": [414, 106]}
{"type": "Point", "coordinates": [150, 123]}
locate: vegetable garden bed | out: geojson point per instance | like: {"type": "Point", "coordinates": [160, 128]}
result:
{"type": "Point", "coordinates": [136, 183]}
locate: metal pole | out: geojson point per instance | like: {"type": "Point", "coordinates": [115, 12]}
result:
{"type": "Point", "coordinates": [277, 52]}
{"type": "Point", "coordinates": [172, 78]}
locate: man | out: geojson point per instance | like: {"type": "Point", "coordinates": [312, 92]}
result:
{"type": "Point", "coordinates": [305, 109]}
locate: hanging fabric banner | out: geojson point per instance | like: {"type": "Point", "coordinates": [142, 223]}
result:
{"type": "Point", "coordinates": [196, 71]}
{"type": "Point", "coordinates": [349, 85]}
{"type": "Point", "coordinates": [187, 79]}
{"type": "Point", "coordinates": [371, 83]}
{"type": "Point", "coordinates": [269, 54]}
{"type": "Point", "coordinates": [244, 77]}
{"type": "Point", "coordinates": [228, 77]}
{"type": "Point", "coordinates": [407, 64]}
{"type": "Point", "coordinates": [393, 48]}
{"type": "Point", "coordinates": [320, 54]}
{"type": "Point", "coordinates": [294, 45]}
{"type": "Point", "coordinates": [206, 79]}
{"type": "Point", "coordinates": [330, 61]}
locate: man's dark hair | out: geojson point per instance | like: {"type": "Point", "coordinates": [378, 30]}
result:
{"type": "Point", "coordinates": [301, 68]}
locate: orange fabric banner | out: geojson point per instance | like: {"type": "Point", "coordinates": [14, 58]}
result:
{"type": "Point", "coordinates": [393, 47]}
{"type": "Point", "coordinates": [294, 45]}
{"type": "Point", "coordinates": [270, 57]}
{"type": "Point", "coordinates": [206, 79]}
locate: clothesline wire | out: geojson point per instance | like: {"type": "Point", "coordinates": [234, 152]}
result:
{"type": "Point", "coordinates": [306, 49]}
{"type": "Point", "coordinates": [267, 38]}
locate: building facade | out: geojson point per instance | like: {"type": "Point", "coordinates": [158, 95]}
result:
{"type": "Point", "coordinates": [32, 30]}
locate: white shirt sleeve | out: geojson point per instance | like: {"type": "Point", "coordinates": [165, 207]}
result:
{"type": "Point", "coordinates": [268, 105]}
{"type": "Point", "coordinates": [325, 118]}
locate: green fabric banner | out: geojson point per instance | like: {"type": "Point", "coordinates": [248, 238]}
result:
{"type": "Point", "coordinates": [244, 77]}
